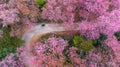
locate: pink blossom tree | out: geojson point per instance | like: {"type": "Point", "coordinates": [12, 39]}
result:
{"type": "Point", "coordinates": [8, 15]}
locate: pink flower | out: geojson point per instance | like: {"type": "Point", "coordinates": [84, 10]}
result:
{"type": "Point", "coordinates": [8, 16]}
{"type": "Point", "coordinates": [11, 61]}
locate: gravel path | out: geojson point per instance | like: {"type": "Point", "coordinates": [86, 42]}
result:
{"type": "Point", "coordinates": [34, 34]}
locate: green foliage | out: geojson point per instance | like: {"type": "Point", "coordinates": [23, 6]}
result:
{"type": "Point", "coordinates": [82, 44]}
{"type": "Point", "coordinates": [1, 25]}
{"type": "Point", "coordinates": [102, 37]}
{"type": "Point", "coordinates": [41, 3]}
{"type": "Point", "coordinates": [98, 42]}
{"type": "Point", "coordinates": [5, 51]}
{"type": "Point", "coordinates": [117, 34]}
{"type": "Point", "coordinates": [78, 39]}
{"type": "Point", "coordinates": [86, 46]}
{"type": "Point", "coordinates": [8, 44]}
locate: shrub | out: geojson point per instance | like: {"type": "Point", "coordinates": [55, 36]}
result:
{"type": "Point", "coordinates": [41, 3]}
{"type": "Point", "coordinates": [9, 15]}
{"type": "Point", "coordinates": [8, 44]}
{"type": "Point", "coordinates": [49, 52]}
{"type": "Point", "coordinates": [78, 39]}
{"type": "Point", "coordinates": [98, 42]}
{"type": "Point", "coordinates": [86, 46]}
{"type": "Point", "coordinates": [72, 10]}
{"type": "Point", "coordinates": [6, 51]}
{"type": "Point", "coordinates": [11, 60]}
{"type": "Point", "coordinates": [117, 34]}
{"type": "Point", "coordinates": [82, 44]}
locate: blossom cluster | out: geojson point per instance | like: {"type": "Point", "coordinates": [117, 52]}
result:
{"type": "Point", "coordinates": [76, 10]}
{"type": "Point", "coordinates": [107, 24]}
{"type": "Point", "coordinates": [90, 17]}
{"type": "Point", "coordinates": [49, 53]}
{"type": "Point", "coordinates": [93, 16]}
{"type": "Point", "coordinates": [11, 60]}
{"type": "Point", "coordinates": [8, 14]}
{"type": "Point", "coordinates": [64, 11]}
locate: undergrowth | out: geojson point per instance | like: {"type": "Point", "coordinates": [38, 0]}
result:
{"type": "Point", "coordinates": [8, 44]}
